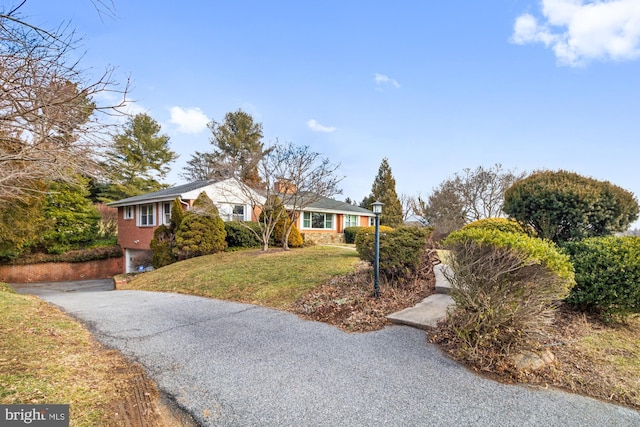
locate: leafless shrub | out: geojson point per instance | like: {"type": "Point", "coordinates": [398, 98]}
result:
{"type": "Point", "coordinates": [502, 301]}
{"type": "Point", "coordinates": [108, 225]}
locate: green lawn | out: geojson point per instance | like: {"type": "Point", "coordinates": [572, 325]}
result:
{"type": "Point", "coordinates": [274, 278]}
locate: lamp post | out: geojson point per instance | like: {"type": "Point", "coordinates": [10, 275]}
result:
{"type": "Point", "coordinates": [377, 210]}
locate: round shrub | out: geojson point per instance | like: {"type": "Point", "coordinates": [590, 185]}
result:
{"type": "Point", "coordinates": [240, 236]}
{"type": "Point", "coordinates": [401, 250]}
{"type": "Point", "coordinates": [607, 275]}
{"type": "Point", "coordinates": [200, 235]}
{"type": "Point", "coordinates": [350, 234]}
{"type": "Point", "coordinates": [506, 225]}
{"type": "Point", "coordinates": [506, 287]}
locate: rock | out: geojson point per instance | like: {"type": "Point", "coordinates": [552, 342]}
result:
{"type": "Point", "coordinates": [527, 361]}
{"type": "Point", "coordinates": [548, 357]}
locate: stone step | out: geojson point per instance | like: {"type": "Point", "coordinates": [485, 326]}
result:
{"type": "Point", "coordinates": [432, 309]}
{"type": "Point", "coordinates": [424, 315]}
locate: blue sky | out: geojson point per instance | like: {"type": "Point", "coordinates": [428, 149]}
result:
{"type": "Point", "coordinates": [435, 87]}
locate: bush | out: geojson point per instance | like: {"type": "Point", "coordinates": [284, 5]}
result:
{"type": "Point", "coordinates": [506, 225]}
{"type": "Point", "coordinates": [295, 238]}
{"type": "Point", "coordinates": [350, 234]}
{"type": "Point", "coordinates": [162, 247]}
{"type": "Point", "coordinates": [607, 276]}
{"type": "Point", "coordinates": [506, 287]}
{"type": "Point", "coordinates": [201, 231]}
{"type": "Point", "coordinates": [564, 206]}
{"type": "Point", "coordinates": [401, 250]}
{"type": "Point", "coordinates": [239, 236]}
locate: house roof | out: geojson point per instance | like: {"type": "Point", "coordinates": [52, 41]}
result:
{"type": "Point", "coordinates": [164, 194]}
{"type": "Point", "coordinates": [322, 204]}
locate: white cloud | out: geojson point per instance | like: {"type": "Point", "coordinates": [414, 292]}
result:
{"type": "Point", "coordinates": [317, 127]}
{"type": "Point", "coordinates": [579, 31]}
{"type": "Point", "coordinates": [382, 79]}
{"type": "Point", "coordinates": [190, 120]}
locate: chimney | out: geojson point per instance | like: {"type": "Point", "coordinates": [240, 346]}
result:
{"type": "Point", "coordinates": [284, 186]}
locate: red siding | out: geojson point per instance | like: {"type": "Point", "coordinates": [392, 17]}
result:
{"type": "Point", "coordinates": [129, 232]}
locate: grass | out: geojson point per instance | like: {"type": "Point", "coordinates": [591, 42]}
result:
{"type": "Point", "coordinates": [596, 359]}
{"type": "Point", "coordinates": [273, 278]}
{"type": "Point", "coordinates": [46, 357]}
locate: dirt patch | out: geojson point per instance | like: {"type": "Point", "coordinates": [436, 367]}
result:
{"type": "Point", "coordinates": [141, 405]}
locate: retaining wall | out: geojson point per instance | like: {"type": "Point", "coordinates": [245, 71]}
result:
{"type": "Point", "coordinates": [61, 271]}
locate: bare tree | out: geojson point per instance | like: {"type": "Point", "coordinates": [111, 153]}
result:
{"type": "Point", "coordinates": [408, 204]}
{"type": "Point", "coordinates": [466, 197]}
{"type": "Point", "coordinates": [302, 177]}
{"type": "Point", "coordinates": [292, 178]}
{"type": "Point", "coordinates": [50, 125]}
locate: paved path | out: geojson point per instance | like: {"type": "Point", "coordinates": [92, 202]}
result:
{"type": "Point", "coordinates": [233, 364]}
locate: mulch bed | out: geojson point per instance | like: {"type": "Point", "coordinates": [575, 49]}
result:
{"type": "Point", "coordinates": [348, 303]}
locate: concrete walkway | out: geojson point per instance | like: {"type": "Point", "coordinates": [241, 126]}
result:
{"type": "Point", "coordinates": [432, 309]}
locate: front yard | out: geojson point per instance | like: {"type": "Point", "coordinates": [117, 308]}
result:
{"type": "Point", "coordinates": [47, 357]}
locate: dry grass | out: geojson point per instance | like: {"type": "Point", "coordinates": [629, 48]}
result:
{"type": "Point", "coordinates": [47, 358]}
{"type": "Point", "coordinates": [592, 359]}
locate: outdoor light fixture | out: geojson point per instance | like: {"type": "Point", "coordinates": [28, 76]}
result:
{"type": "Point", "coordinates": [377, 210]}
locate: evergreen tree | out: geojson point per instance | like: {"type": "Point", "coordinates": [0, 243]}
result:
{"type": "Point", "coordinates": [201, 231]}
{"type": "Point", "coordinates": [138, 160]}
{"type": "Point", "coordinates": [237, 151]}
{"type": "Point", "coordinates": [384, 190]}
{"type": "Point", "coordinates": [21, 222]}
{"type": "Point", "coordinates": [71, 217]}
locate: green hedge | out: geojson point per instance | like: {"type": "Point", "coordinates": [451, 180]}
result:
{"type": "Point", "coordinates": [543, 252]}
{"type": "Point", "coordinates": [350, 234]}
{"type": "Point", "coordinates": [401, 249]}
{"type": "Point", "coordinates": [506, 225]}
{"type": "Point", "coordinates": [239, 236]}
{"type": "Point", "coordinates": [607, 275]}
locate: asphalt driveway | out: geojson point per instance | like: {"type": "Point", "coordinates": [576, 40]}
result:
{"type": "Point", "coordinates": [235, 364]}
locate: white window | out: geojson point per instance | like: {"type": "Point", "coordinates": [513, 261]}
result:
{"type": "Point", "coordinates": [127, 212]}
{"type": "Point", "coordinates": [317, 220]}
{"type": "Point", "coordinates": [350, 221]}
{"type": "Point", "coordinates": [372, 221]}
{"type": "Point", "coordinates": [238, 213]}
{"type": "Point", "coordinates": [166, 213]}
{"type": "Point", "coordinates": [146, 217]}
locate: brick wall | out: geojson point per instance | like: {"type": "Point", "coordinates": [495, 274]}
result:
{"type": "Point", "coordinates": [61, 271]}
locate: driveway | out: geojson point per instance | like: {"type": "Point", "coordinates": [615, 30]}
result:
{"type": "Point", "coordinates": [45, 288]}
{"type": "Point", "coordinates": [232, 364]}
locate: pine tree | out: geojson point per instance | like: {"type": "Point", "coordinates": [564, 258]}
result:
{"type": "Point", "coordinates": [139, 159]}
{"type": "Point", "coordinates": [238, 149]}
{"type": "Point", "coordinates": [384, 190]}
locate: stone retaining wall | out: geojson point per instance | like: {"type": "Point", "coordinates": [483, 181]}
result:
{"type": "Point", "coordinates": [323, 238]}
{"type": "Point", "coordinates": [61, 271]}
